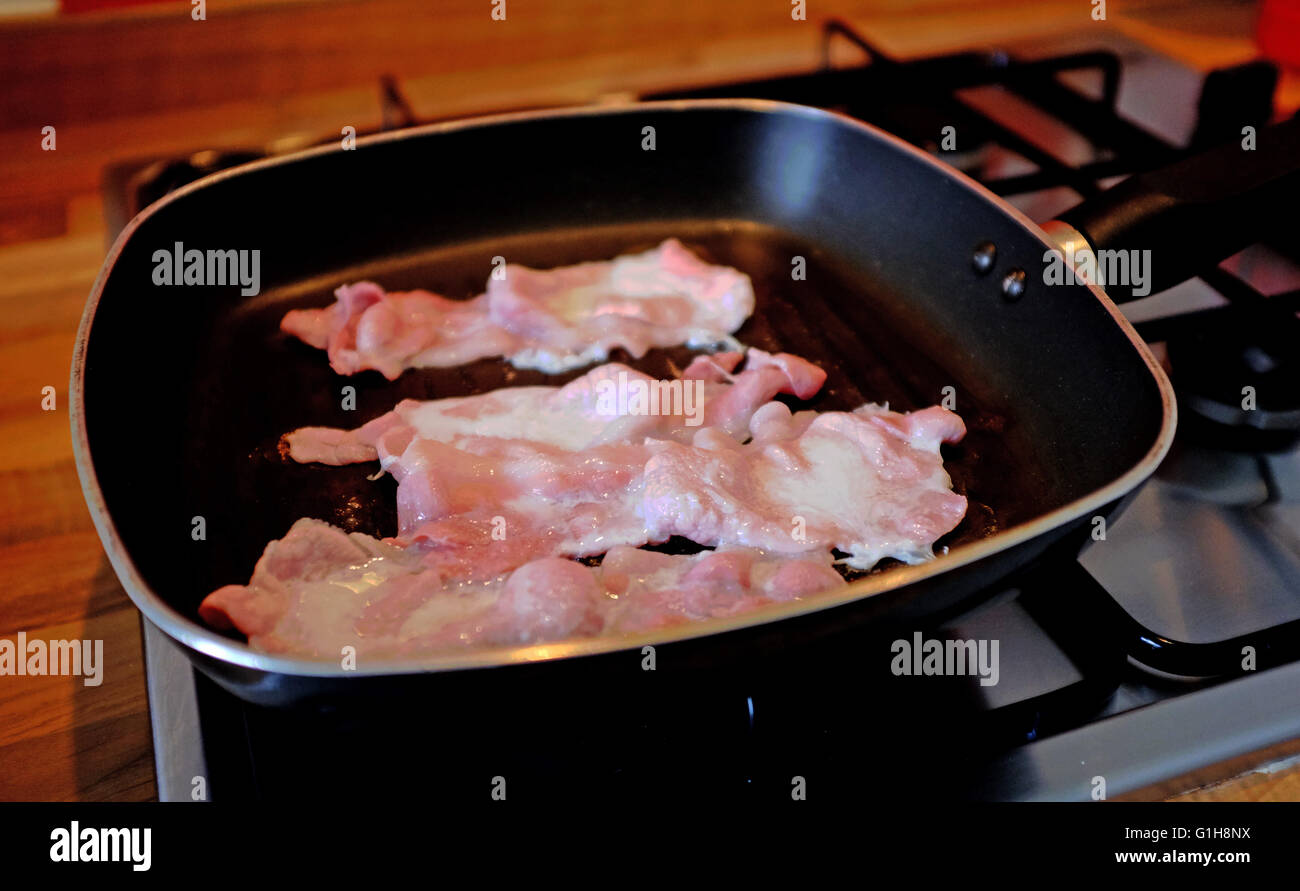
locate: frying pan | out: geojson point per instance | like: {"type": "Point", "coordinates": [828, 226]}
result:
{"type": "Point", "coordinates": [180, 394]}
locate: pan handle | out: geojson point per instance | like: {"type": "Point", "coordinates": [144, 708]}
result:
{"type": "Point", "coordinates": [1191, 215]}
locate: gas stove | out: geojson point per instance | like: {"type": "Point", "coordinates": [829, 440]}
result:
{"type": "Point", "coordinates": [1171, 646]}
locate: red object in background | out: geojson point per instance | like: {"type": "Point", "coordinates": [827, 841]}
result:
{"type": "Point", "coordinates": [1278, 32]}
{"type": "Point", "coordinates": [96, 5]}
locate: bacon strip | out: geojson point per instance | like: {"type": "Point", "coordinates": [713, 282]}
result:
{"type": "Point", "coordinates": [319, 590]}
{"type": "Point", "coordinates": [574, 417]}
{"type": "Point", "coordinates": [869, 483]}
{"type": "Point", "coordinates": [551, 320]}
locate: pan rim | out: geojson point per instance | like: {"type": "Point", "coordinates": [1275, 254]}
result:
{"type": "Point", "coordinates": [190, 633]}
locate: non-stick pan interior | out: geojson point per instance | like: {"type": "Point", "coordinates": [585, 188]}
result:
{"type": "Point", "coordinates": [188, 389]}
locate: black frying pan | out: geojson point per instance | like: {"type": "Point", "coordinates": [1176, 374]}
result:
{"type": "Point", "coordinates": [181, 393]}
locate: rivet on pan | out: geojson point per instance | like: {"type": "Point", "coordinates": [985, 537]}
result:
{"type": "Point", "coordinates": [986, 252]}
{"type": "Point", "coordinates": [1013, 286]}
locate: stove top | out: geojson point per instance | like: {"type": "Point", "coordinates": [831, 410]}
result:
{"type": "Point", "coordinates": [1171, 645]}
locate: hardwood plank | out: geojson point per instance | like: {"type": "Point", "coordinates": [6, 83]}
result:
{"type": "Point", "coordinates": [61, 739]}
{"type": "Point", "coordinates": [76, 580]}
{"type": "Point", "coordinates": [37, 503]}
{"type": "Point", "coordinates": [1275, 782]}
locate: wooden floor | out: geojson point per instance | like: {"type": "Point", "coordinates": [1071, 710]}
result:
{"type": "Point", "coordinates": [59, 739]}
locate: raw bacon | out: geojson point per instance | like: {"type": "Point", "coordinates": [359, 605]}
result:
{"type": "Point", "coordinates": [548, 472]}
{"type": "Point", "coordinates": [869, 483]}
{"type": "Point", "coordinates": [552, 320]}
{"type": "Point", "coordinates": [489, 505]}
{"type": "Point", "coordinates": [573, 417]}
{"type": "Point", "coordinates": [497, 492]}
{"type": "Point", "coordinates": [553, 477]}
{"type": "Point", "coordinates": [319, 589]}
